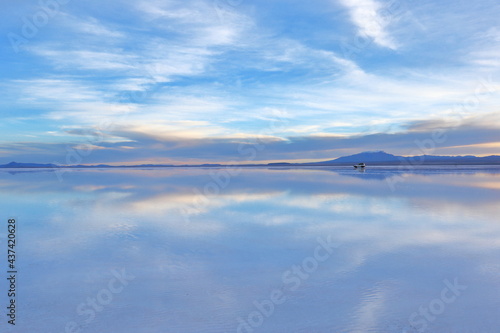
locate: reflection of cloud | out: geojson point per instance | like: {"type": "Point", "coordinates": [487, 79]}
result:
{"type": "Point", "coordinates": [89, 188]}
{"type": "Point", "coordinates": [490, 185]}
{"type": "Point", "coordinates": [344, 206]}
{"type": "Point", "coordinates": [371, 308]}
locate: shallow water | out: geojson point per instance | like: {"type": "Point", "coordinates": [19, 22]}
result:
{"type": "Point", "coordinates": [254, 250]}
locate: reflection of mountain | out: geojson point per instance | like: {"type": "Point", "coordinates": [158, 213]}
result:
{"type": "Point", "coordinates": [369, 174]}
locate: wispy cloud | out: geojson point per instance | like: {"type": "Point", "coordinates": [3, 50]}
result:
{"type": "Point", "coordinates": [83, 60]}
{"type": "Point", "coordinates": [89, 26]}
{"type": "Point", "coordinates": [365, 15]}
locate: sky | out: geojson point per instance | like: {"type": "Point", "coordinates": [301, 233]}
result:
{"type": "Point", "coordinates": [242, 81]}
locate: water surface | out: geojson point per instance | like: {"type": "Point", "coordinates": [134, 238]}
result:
{"type": "Point", "coordinates": [255, 250]}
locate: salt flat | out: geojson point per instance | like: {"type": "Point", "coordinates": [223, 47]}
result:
{"type": "Point", "coordinates": [256, 249]}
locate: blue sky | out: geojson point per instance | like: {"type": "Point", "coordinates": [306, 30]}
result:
{"type": "Point", "coordinates": [238, 80]}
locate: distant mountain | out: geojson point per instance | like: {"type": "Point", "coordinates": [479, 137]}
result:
{"type": "Point", "coordinates": [369, 157]}
{"type": "Point", "coordinates": [28, 165]}
{"type": "Point", "coordinates": [80, 166]}
{"type": "Point", "coordinates": [468, 159]}
{"type": "Point", "coordinates": [366, 157]}
{"type": "Point", "coordinates": [381, 157]}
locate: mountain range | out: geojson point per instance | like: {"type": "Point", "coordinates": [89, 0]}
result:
{"type": "Point", "coordinates": [370, 158]}
{"type": "Point", "coordinates": [383, 158]}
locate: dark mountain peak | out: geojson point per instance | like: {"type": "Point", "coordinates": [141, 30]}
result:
{"type": "Point", "coordinates": [368, 156]}
{"type": "Point", "coordinates": [13, 164]}
{"type": "Point", "coordinates": [27, 165]}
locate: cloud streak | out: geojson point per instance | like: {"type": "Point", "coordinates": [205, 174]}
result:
{"type": "Point", "coordinates": [365, 15]}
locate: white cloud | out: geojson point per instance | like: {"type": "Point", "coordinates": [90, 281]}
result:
{"type": "Point", "coordinates": [283, 53]}
{"type": "Point", "coordinates": [365, 15]}
{"type": "Point", "coordinates": [60, 89]}
{"type": "Point", "coordinates": [86, 59]}
{"type": "Point", "coordinates": [203, 22]}
{"type": "Point", "coordinates": [89, 26]}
